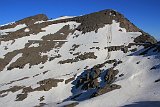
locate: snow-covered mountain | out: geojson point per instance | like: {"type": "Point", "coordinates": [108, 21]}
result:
{"type": "Point", "coordinates": [99, 60]}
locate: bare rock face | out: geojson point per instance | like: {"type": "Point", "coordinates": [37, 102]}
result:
{"type": "Point", "coordinates": [28, 21]}
{"type": "Point", "coordinates": [96, 20]}
{"type": "Point", "coordinates": [84, 56]}
{"type": "Point", "coordinates": [31, 20]}
{"type": "Point", "coordinates": [21, 97]}
{"type": "Point", "coordinates": [145, 37]}
{"type": "Point", "coordinates": [47, 84]}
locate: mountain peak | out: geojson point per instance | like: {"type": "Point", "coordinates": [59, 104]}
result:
{"type": "Point", "coordinates": [99, 54]}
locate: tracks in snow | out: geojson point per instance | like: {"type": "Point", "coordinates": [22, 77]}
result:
{"type": "Point", "coordinates": [109, 39]}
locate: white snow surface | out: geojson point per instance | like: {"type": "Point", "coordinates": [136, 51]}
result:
{"type": "Point", "coordinates": [137, 83]}
{"type": "Point", "coordinates": [63, 17]}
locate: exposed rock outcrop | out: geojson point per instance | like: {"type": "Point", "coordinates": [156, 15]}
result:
{"type": "Point", "coordinates": [28, 21]}
{"type": "Point", "coordinates": [95, 81]}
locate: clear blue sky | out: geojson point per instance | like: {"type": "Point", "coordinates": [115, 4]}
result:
{"type": "Point", "coordinates": [143, 13]}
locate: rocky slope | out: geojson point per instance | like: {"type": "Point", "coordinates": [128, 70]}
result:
{"type": "Point", "coordinates": [97, 59]}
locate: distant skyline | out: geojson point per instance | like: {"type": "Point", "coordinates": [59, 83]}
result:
{"type": "Point", "coordinates": [143, 13]}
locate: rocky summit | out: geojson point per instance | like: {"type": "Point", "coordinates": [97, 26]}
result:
{"type": "Point", "coordinates": [99, 59]}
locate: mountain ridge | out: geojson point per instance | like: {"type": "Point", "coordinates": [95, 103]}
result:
{"type": "Point", "coordinates": [96, 59]}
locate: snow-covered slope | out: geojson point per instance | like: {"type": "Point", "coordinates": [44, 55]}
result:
{"type": "Point", "coordinates": [99, 59]}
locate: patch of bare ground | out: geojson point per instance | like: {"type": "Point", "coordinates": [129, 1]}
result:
{"type": "Point", "coordinates": [30, 56]}
{"type": "Point", "coordinates": [17, 80]}
{"type": "Point", "coordinates": [52, 58]}
{"type": "Point", "coordinates": [41, 98]}
{"type": "Point", "coordinates": [45, 72]}
{"type": "Point", "coordinates": [77, 53]}
{"type": "Point", "coordinates": [21, 97]}
{"type": "Point", "coordinates": [71, 105]}
{"type": "Point", "coordinates": [74, 47]}
{"type": "Point", "coordinates": [106, 89]}
{"type": "Point", "coordinates": [44, 85]}
{"type": "Point", "coordinates": [47, 84]}
{"type": "Point", "coordinates": [35, 75]}
{"type": "Point", "coordinates": [69, 80]}
{"type": "Point", "coordinates": [89, 55]}
{"type": "Point", "coordinates": [12, 89]}
{"type": "Point", "coordinates": [158, 80]}
{"type": "Point", "coordinates": [116, 48]}
{"type": "Point", "coordinates": [41, 105]}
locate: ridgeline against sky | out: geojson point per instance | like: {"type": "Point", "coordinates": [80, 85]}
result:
{"type": "Point", "coordinates": [143, 13]}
